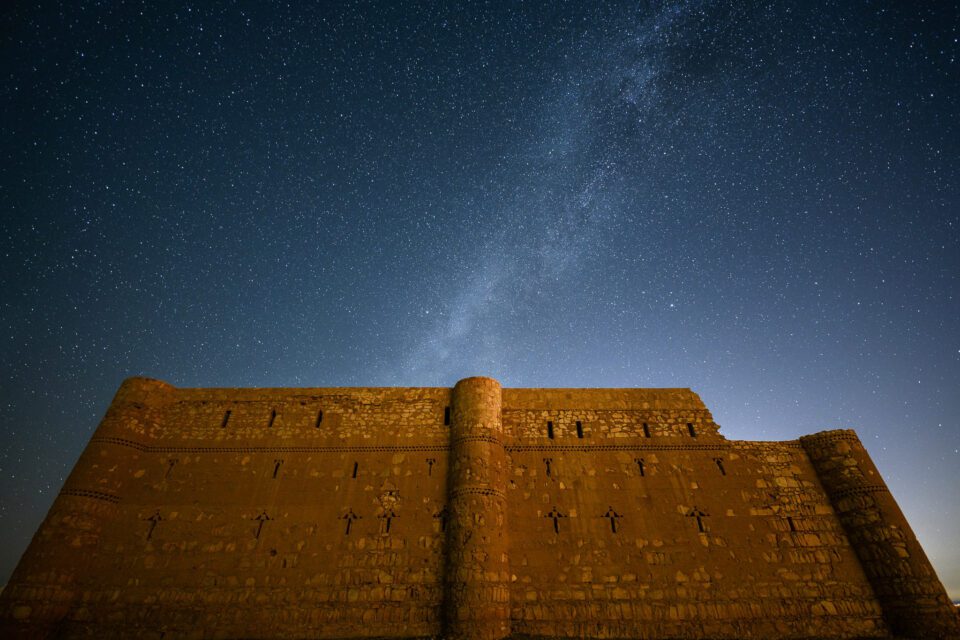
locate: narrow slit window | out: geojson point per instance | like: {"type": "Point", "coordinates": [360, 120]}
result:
{"type": "Point", "coordinates": [550, 429]}
{"type": "Point", "coordinates": [646, 430]}
{"type": "Point", "coordinates": [356, 465]}
{"type": "Point", "coordinates": [276, 468]}
{"type": "Point", "coordinates": [579, 429]}
{"type": "Point", "coordinates": [319, 418]}
{"type": "Point", "coordinates": [641, 466]}
{"type": "Point", "coordinates": [273, 417]}
{"type": "Point", "coordinates": [693, 432]}
{"type": "Point", "coordinates": [446, 416]}
{"type": "Point", "coordinates": [719, 462]}
{"type": "Point", "coordinates": [793, 527]}
{"type": "Point", "coordinates": [226, 418]}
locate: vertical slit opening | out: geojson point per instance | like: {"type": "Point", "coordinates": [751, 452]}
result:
{"type": "Point", "coordinates": [226, 418]}
{"type": "Point", "coordinates": [356, 465]}
{"type": "Point", "coordinates": [273, 417]}
{"type": "Point", "coordinates": [579, 429]}
{"type": "Point", "coordinates": [319, 419]}
{"type": "Point", "coordinates": [646, 430]}
{"type": "Point", "coordinates": [793, 527]}
{"type": "Point", "coordinates": [550, 429]}
{"type": "Point", "coordinates": [693, 432]}
{"type": "Point", "coordinates": [446, 416]}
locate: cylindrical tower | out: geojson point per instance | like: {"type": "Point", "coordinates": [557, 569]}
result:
{"type": "Point", "coordinates": [914, 602]}
{"type": "Point", "coordinates": [476, 586]}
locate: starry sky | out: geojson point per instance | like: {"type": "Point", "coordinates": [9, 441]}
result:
{"type": "Point", "coordinates": [759, 201]}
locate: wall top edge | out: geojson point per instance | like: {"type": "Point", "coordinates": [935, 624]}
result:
{"type": "Point", "coordinates": [513, 398]}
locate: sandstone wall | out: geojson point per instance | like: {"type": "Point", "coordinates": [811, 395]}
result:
{"type": "Point", "coordinates": [175, 524]}
{"type": "Point", "coordinates": [471, 512]}
{"type": "Point", "coordinates": [671, 535]}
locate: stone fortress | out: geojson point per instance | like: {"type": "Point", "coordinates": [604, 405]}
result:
{"type": "Point", "coordinates": [471, 512]}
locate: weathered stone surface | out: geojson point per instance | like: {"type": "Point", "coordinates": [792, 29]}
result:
{"type": "Point", "coordinates": [472, 512]}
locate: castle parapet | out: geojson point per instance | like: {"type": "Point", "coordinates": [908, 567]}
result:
{"type": "Point", "coordinates": [476, 589]}
{"type": "Point", "coordinates": [914, 602]}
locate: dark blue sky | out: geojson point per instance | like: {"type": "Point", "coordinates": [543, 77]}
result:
{"type": "Point", "coordinates": [759, 202]}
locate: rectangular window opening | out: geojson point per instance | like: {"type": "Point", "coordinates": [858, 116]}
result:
{"type": "Point", "coordinates": [646, 430]}
{"type": "Point", "coordinates": [579, 429]}
{"type": "Point", "coordinates": [693, 432]}
{"type": "Point", "coordinates": [550, 430]}
{"type": "Point", "coordinates": [446, 416]}
{"type": "Point", "coordinates": [226, 419]}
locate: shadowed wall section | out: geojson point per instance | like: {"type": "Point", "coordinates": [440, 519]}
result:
{"type": "Point", "coordinates": [468, 513]}
{"type": "Point", "coordinates": [913, 599]}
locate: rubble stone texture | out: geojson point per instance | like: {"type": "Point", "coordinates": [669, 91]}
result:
{"type": "Point", "coordinates": [471, 512]}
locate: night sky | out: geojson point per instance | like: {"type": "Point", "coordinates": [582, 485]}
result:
{"type": "Point", "coordinates": [760, 202]}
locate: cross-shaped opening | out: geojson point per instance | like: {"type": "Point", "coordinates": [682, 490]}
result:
{"type": "Point", "coordinates": [699, 515]}
{"type": "Point", "coordinates": [640, 466]}
{"type": "Point", "coordinates": [555, 515]}
{"type": "Point", "coordinates": [387, 516]}
{"type": "Point", "coordinates": [349, 516]}
{"type": "Point", "coordinates": [613, 516]}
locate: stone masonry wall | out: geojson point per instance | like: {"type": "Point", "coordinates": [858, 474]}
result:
{"type": "Point", "coordinates": [177, 523]}
{"type": "Point", "coordinates": [617, 534]}
{"type": "Point", "coordinates": [471, 512]}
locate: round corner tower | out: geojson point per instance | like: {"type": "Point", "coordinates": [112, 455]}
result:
{"type": "Point", "coordinates": [914, 602]}
{"type": "Point", "coordinates": [477, 575]}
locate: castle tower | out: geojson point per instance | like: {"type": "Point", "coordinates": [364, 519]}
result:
{"type": "Point", "coordinates": [476, 587]}
{"type": "Point", "coordinates": [913, 600]}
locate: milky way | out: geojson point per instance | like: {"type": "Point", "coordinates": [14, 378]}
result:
{"type": "Point", "coordinates": [759, 202]}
